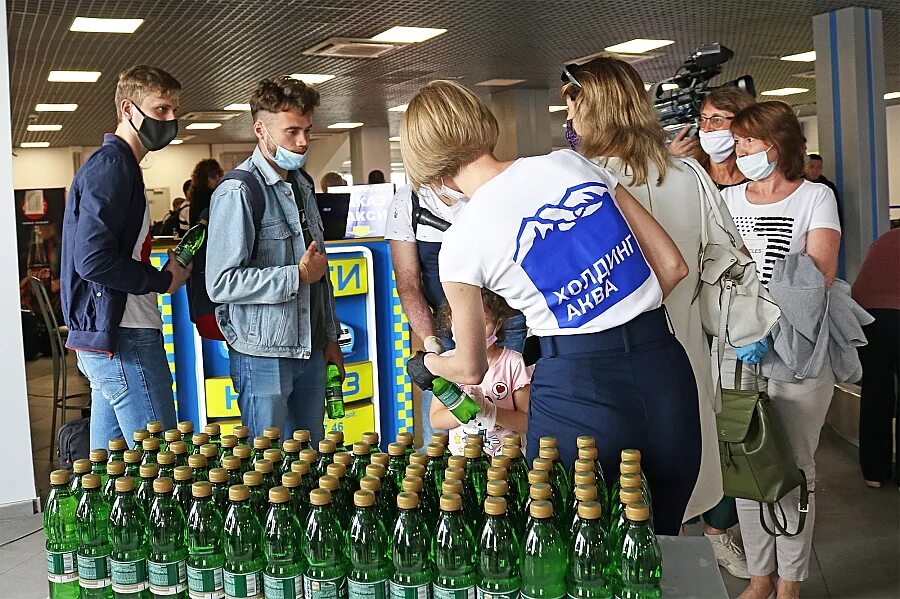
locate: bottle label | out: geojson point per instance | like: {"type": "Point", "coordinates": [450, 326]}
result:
{"type": "Point", "coordinates": [167, 578]}
{"type": "Point", "coordinates": [243, 585]}
{"type": "Point", "coordinates": [451, 398]}
{"type": "Point", "coordinates": [61, 566]}
{"type": "Point", "coordinates": [445, 593]}
{"type": "Point", "coordinates": [93, 572]}
{"type": "Point", "coordinates": [482, 594]}
{"type": "Point", "coordinates": [402, 591]}
{"type": "Point", "coordinates": [129, 577]}
{"type": "Point", "coordinates": [205, 583]}
{"type": "Point", "coordinates": [283, 588]}
{"type": "Point", "coordinates": [330, 588]}
{"type": "Point", "coordinates": [368, 590]}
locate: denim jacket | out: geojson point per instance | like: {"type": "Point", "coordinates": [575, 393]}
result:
{"type": "Point", "coordinates": [265, 310]}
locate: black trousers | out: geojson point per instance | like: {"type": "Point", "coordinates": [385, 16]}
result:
{"type": "Point", "coordinates": [879, 401]}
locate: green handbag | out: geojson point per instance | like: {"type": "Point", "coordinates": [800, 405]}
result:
{"type": "Point", "coordinates": [757, 461]}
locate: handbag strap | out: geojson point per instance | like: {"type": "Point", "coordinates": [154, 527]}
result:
{"type": "Point", "coordinates": [802, 507]}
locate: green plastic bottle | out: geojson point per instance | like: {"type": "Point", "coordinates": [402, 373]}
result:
{"type": "Point", "coordinates": [61, 537]}
{"type": "Point", "coordinates": [429, 512]}
{"type": "Point", "coordinates": [368, 547]}
{"type": "Point", "coordinates": [138, 436]}
{"type": "Point", "coordinates": [243, 435]}
{"type": "Point", "coordinates": [128, 537]}
{"type": "Point", "coordinates": [306, 481]}
{"type": "Point", "coordinates": [214, 431]}
{"type": "Point", "coordinates": [543, 562]}
{"type": "Point", "coordinates": [191, 243]}
{"type": "Point", "coordinates": [144, 492]}
{"type": "Point", "coordinates": [634, 455]}
{"type": "Point", "coordinates": [253, 482]}
{"type": "Point", "coordinates": [166, 462]}
{"type": "Point", "coordinates": [266, 469]}
{"type": "Point", "coordinates": [629, 492]}
{"type": "Point", "coordinates": [79, 469]}
{"type": "Point", "coordinates": [198, 440]}
{"type": "Point", "coordinates": [285, 564]}
{"type": "Point", "coordinates": [327, 449]}
{"type": "Point", "coordinates": [588, 475]}
{"type": "Point", "coordinates": [167, 561]}
{"type": "Point", "coordinates": [218, 479]}
{"type": "Point", "coordinates": [591, 455]}
{"type": "Point", "coordinates": [303, 436]}
{"type": "Point", "coordinates": [185, 430]}
{"type": "Point", "coordinates": [397, 464]}
{"type": "Point", "coordinates": [92, 519]}
{"type": "Point", "coordinates": [209, 451]}
{"type": "Point", "coordinates": [588, 554]}
{"type": "Point", "coordinates": [323, 545]}
{"type": "Point", "coordinates": [171, 436]}
{"type": "Point", "coordinates": [434, 471]}
{"type": "Point", "coordinates": [470, 502]}
{"type": "Point", "coordinates": [293, 483]}
{"type": "Point", "coordinates": [373, 439]}
{"type": "Point", "coordinates": [156, 429]}
{"type": "Point", "coordinates": [429, 498]}
{"type": "Point", "coordinates": [276, 457]}
{"type": "Point", "coordinates": [181, 451]}
{"type": "Point", "coordinates": [206, 553]}
{"type": "Point", "coordinates": [339, 499]}
{"type": "Point", "coordinates": [361, 459]}
{"type": "Point", "coordinates": [334, 393]}
{"type": "Point", "coordinates": [132, 459]}
{"type": "Point", "coordinates": [463, 407]}
{"type": "Point", "coordinates": [497, 567]}
{"type": "Point", "coordinates": [227, 443]}
{"type": "Point", "coordinates": [501, 488]}
{"type": "Point", "coordinates": [291, 448]}
{"type": "Point", "coordinates": [184, 478]}
{"type": "Point", "coordinates": [150, 447]}
{"type": "Point", "coordinates": [518, 469]}
{"type": "Point", "coordinates": [260, 445]}
{"type": "Point", "coordinates": [244, 453]}
{"type": "Point", "coordinates": [117, 449]}
{"type": "Point", "coordinates": [383, 502]}
{"type": "Point", "coordinates": [516, 515]}
{"type": "Point", "coordinates": [544, 492]}
{"type": "Point", "coordinates": [232, 465]}
{"type": "Point", "coordinates": [454, 552]}
{"type": "Point", "coordinates": [243, 542]}
{"type": "Point", "coordinates": [407, 439]}
{"type": "Point", "coordinates": [476, 471]}
{"type": "Point", "coordinates": [273, 434]}
{"type": "Point", "coordinates": [113, 470]}
{"type": "Point", "coordinates": [411, 552]}
{"type": "Point", "coordinates": [582, 493]}
{"type": "Point", "coordinates": [99, 458]}
{"type": "Point", "coordinates": [641, 557]}
{"type": "Point", "coordinates": [617, 530]}
{"type": "Point", "coordinates": [559, 478]}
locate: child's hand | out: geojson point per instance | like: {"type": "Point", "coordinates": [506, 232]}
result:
{"type": "Point", "coordinates": [487, 414]}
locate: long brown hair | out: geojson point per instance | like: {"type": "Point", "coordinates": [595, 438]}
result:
{"type": "Point", "coordinates": [616, 119]}
{"type": "Point", "coordinates": [775, 123]}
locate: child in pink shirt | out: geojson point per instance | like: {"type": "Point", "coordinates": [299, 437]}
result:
{"type": "Point", "coordinates": [502, 395]}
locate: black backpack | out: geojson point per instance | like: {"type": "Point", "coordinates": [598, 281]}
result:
{"type": "Point", "coordinates": [74, 442]}
{"type": "Point", "coordinates": [167, 227]}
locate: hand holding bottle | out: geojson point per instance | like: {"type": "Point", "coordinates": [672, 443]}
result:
{"type": "Point", "coordinates": [180, 274]}
{"type": "Point", "coordinates": [419, 373]}
{"type": "Point", "coordinates": [313, 265]}
{"type": "Point", "coordinates": [487, 411]}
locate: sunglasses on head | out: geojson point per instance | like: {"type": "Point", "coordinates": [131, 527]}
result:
{"type": "Point", "coordinates": [568, 75]}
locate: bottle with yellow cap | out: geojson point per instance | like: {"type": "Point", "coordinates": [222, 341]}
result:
{"type": "Point", "coordinates": [199, 464]}
{"type": "Point", "coordinates": [497, 567]}
{"type": "Point", "coordinates": [273, 434]}
{"type": "Point", "coordinates": [92, 518]}
{"type": "Point", "coordinates": [326, 457]}
{"type": "Point", "coordinates": [61, 537]}
{"type": "Point", "coordinates": [588, 556]}
{"type": "Point", "coordinates": [398, 462]}
{"type": "Point", "coordinates": [276, 456]}
{"type": "Point", "coordinates": [291, 449]}
{"type": "Point", "coordinates": [590, 453]}
{"type": "Point", "coordinates": [218, 480]}
{"type": "Point", "coordinates": [254, 483]}
{"type": "Point", "coordinates": [156, 429]}
{"type": "Point", "coordinates": [292, 481]}
{"type": "Point", "coordinates": [116, 449]}
{"type": "Point", "coordinates": [232, 465]}
{"type": "Point", "coordinates": [368, 548]}
{"type": "Point", "coordinates": [411, 552]}
{"type": "Point", "coordinates": [132, 459]}
{"type": "Point", "coordinates": [559, 478]}
{"type": "Point", "coordinates": [184, 478]}
{"type": "Point", "coordinates": [546, 465]}
{"type": "Point", "coordinates": [322, 543]}
{"type": "Point", "coordinates": [629, 481]}
{"type": "Point", "coordinates": [267, 469]}
{"type": "Point", "coordinates": [306, 482]}
{"type": "Point", "coordinates": [211, 453]}
{"type": "Point", "coordinates": [543, 561]}
{"type": "Point", "coordinates": [303, 436]}
{"type": "Point", "coordinates": [245, 454]}
{"type": "Point", "coordinates": [128, 538]}
{"type": "Point", "coordinates": [476, 470]}
{"type": "Point", "coordinates": [206, 554]}
{"type": "Point", "coordinates": [99, 458]}
{"type": "Point", "coordinates": [167, 561]}
{"type": "Point", "coordinates": [227, 443]}
{"type": "Point", "coordinates": [340, 496]}
{"type": "Point", "coordinates": [361, 459]}
{"type": "Point", "coordinates": [618, 528]}
{"type": "Point", "coordinates": [166, 462]}
{"type": "Point", "coordinates": [170, 436]}
{"type": "Point", "coordinates": [197, 441]}
{"type": "Point", "coordinates": [150, 447]}
{"type": "Point", "coordinates": [144, 492]}
{"type": "Point", "coordinates": [428, 512]}
{"type": "Point", "coordinates": [374, 441]}
{"type": "Point", "coordinates": [442, 438]}
{"type": "Point", "coordinates": [541, 492]}
{"type": "Point", "coordinates": [180, 449]}
{"type": "Point", "coordinates": [454, 551]}
{"type": "Point", "coordinates": [344, 458]}
{"type": "Point", "coordinates": [437, 464]}
{"type": "Point", "coordinates": [113, 470]}
{"type": "Point", "coordinates": [79, 469]}
{"type": "Point", "coordinates": [260, 445]}
{"type": "Point", "coordinates": [518, 468]}
{"type": "Point", "coordinates": [640, 557]}
{"type": "Point", "coordinates": [138, 437]}
{"type": "Point", "coordinates": [336, 437]}
{"type": "Point", "coordinates": [470, 502]}
{"type": "Point", "coordinates": [634, 455]}
{"type": "Point", "coordinates": [586, 490]}
{"type": "Point", "coordinates": [243, 435]}
{"type": "Point", "coordinates": [407, 439]}
{"type": "Point", "coordinates": [383, 503]}
{"type": "Point", "coordinates": [285, 564]}
{"type": "Point", "coordinates": [243, 543]}
{"type": "Point", "coordinates": [585, 473]}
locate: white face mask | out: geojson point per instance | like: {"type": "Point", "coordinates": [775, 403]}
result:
{"type": "Point", "coordinates": [718, 144]}
{"type": "Point", "coordinates": [756, 166]}
{"type": "Point", "coordinates": [451, 194]}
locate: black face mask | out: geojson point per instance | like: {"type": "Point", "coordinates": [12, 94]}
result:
{"type": "Point", "coordinates": [154, 133]}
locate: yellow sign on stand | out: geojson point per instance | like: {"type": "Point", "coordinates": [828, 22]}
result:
{"type": "Point", "coordinates": [349, 276]}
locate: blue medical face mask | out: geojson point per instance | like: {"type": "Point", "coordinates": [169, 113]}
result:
{"type": "Point", "coordinates": [289, 161]}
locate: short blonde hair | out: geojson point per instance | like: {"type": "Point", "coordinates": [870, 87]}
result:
{"type": "Point", "coordinates": [445, 127]}
{"type": "Point", "coordinates": [141, 81]}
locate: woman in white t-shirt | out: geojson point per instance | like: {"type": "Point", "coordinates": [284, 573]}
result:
{"type": "Point", "coordinates": [561, 241]}
{"type": "Point", "coordinates": [779, 213]}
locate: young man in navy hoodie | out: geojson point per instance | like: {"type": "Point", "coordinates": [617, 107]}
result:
{"type": "Point", "coordinates": [109, 287]}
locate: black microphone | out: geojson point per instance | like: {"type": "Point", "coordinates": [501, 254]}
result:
{"type": "Point", "coordinates": [424, 217]}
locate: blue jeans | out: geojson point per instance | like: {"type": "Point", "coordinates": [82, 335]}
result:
{"type": "Point", "coordinates": [285, 392]}
{"type": "Point", "coordinates": [130, 388]}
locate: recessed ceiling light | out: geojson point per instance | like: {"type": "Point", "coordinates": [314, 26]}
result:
{"type": "Point", "coordinates": [36, 144]}
{"type": "Point", "coordinates": [74, 76]}
{"type": "Point", "coordinates": [801, 57]}
{"type": "Point", "coordinates": [345, 125]}
{"type": "Point", "coordinates": [204, 126]}
{"type": "Point", "coordinates": [500, 82]}
{"type": "Point", "coordinates": [670, 87]}
{"type": "Point", "coordinates": [399, 108]}
{"type": "Point", "coordinates": [407, 35]}
{"type": "Point", "coordinates": [35, 128]}
{"type": "Point", "coordinates": [784, 91]}
{"type": "Point", "coordinates": [312, 78]}
{"type": "Point", "coordinates": [55, 107]}
{"type": "Point", "coordinates": [558, 108]}
{"type": "Point", "coordinates": [892, 95]}
{"type": "Point", "coordinates": [396, 138]}
{"type": "Point", "coordinates": [638, 46]}
{"type": "Point", "coordinates": [91, 25]}
{"type": "Point", "coordinates": [176, 142]}
{"type": "Point", "coordinates": [237, 107]}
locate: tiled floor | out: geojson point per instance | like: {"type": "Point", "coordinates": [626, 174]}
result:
{"type": "Point", "coordinates": [856, 543]}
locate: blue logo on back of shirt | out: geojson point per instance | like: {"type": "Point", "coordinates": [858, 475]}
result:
{"type": "Point", "coordinates": [581, 255]}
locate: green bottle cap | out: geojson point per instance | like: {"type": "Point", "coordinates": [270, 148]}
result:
{"type": "Point", "coordinates": [199, 439]}
{"type": "Point", "coordinates": [229, 441]}
{"type": "Point", "coordinates": [371, 438]}
{"type": "Point", "coordinates": [630, 467]}
{"type": "Point", "coordinates": [212, 429]}
{"type": "Point", "coordinates": [584, 465]}
{"type": "Point", "coordinates": [588, 453]}
{"type": "Point", "coordinates": [231, 462]}
{"type": "Point", "coordinates": [548, 442]}
{"type": "Point", "coordinates": [238, 493]}
{"type": "Point", "coordinates": [116, 468]}
{"type": "Point", "coordinates": [300, 467]}
{"type": "Point", "coordinates": [418, 459]}
{"type": "Point", "coordinates": [381, 459]}
{"type": "Point", "coordinates": [241, 432]}
{"type": "Point", "coordinates": [155, 427]}
{"type": "Point", "coordinates": [585, 478]}
{"type": "Point", "coordinates": [501, 461]}
{"type": "Point", "coordinates": [264, 466]}
{"type": "Point", "coordinates": [497, 488]}
{"type": "Point", "coordinates": [457, 461]}
{"type": "Point", "coordinates": [242, 452]}
{"type": "Point", "coordinates": [412, 484]}
{"type": "Point", "coordinates": [140, 434]}
{"type": "Point", "coordinates": [631, 454]}
{"type": "Point", "coordinates": [415, 470]}
{"type": "Point", "coordinates": [337, 437]}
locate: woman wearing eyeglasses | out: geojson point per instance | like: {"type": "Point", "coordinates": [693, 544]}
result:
{"type": "Point", "coordinates": [561, 241]}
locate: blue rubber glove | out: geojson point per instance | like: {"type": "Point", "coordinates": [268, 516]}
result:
{"type": "Point", "coordinates": [753, 353]}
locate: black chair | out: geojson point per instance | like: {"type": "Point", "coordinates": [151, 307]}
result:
{"type": "Point", "coordinates": [61, 396]}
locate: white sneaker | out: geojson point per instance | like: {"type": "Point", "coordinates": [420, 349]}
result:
{"type": "Point", "coordinates": [730, 555]}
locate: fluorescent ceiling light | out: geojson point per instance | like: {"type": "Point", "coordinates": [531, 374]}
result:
{"type": "Point", "coordinates": [407, 35]}
{"type": "Point", "coordinates": [669, 87]}
{"type": "Point", "coordinates": [801, 57]}
{"type": "Point", "coordinates": [312, 78]}
{"type": "Point", "coordinates": [55, 107]}
{"type": "Point", "coordinates": [892, 95]}
{"type": "Point", "coordinates": [36, 144]}
{"type": "Point", "coordinates": [500, 82]}
{"type": "Point", "coordinates": [396, 138]}
{"type": "Point", "coordinates": [784, 91]}
{"type": "Point", "coordinates": [345, 125]}
{"type": "Point", "coordinates": [558, 108]}
{"type": "Point", "coordinates": [399, 108]}
{"type": "Point", "coordinates": [74, 76]}
{"type": "Point", "coordinates": [176, 142]}
{"type": "Point", "coordinates": [238, 107]}
{"type": "Point", "coordinates": [105, 25]}
{"type": "Point", "coordinates": [204, 126]}
{"type": "Point", "coordinates": [35, 128]}
{"type": "Point", "coordinates": [638, 46]}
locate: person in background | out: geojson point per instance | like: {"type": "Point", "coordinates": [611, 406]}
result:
{"type": "Point", "coordinates": [812, 171]}
{"type": "Point", "coordinates": [184, 209]}
{"type": "Point", "coordinates": [169, 225]}
{"type": "Point", "coordinates": [331, 179]}
{"type": "Point", "coordinates": [277, 313]}
{"type": "Point", "coordinates": [502, 395]}
{"type": "Point", "coordinates": [108, 285]}
{"type": "Point", "coordinates": [779, 213]}
{"type": "Point", "coordinates": [376, 177]}
{"type": "Point", "coordinates": [621, 133]}
{"type": "Point", "coordinates": [877, 289]}
{"type": "Point", "coordinates": [204, 179]}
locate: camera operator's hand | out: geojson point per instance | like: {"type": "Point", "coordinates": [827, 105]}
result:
{"type": "Point", "coordinates": [684, 146]}
{"type": "Point", "coordinates": [418, 372]}
{"type": "Point", "coordinates": [313, 265]}
{"type": "Point", "coordinates": [180, 274]}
